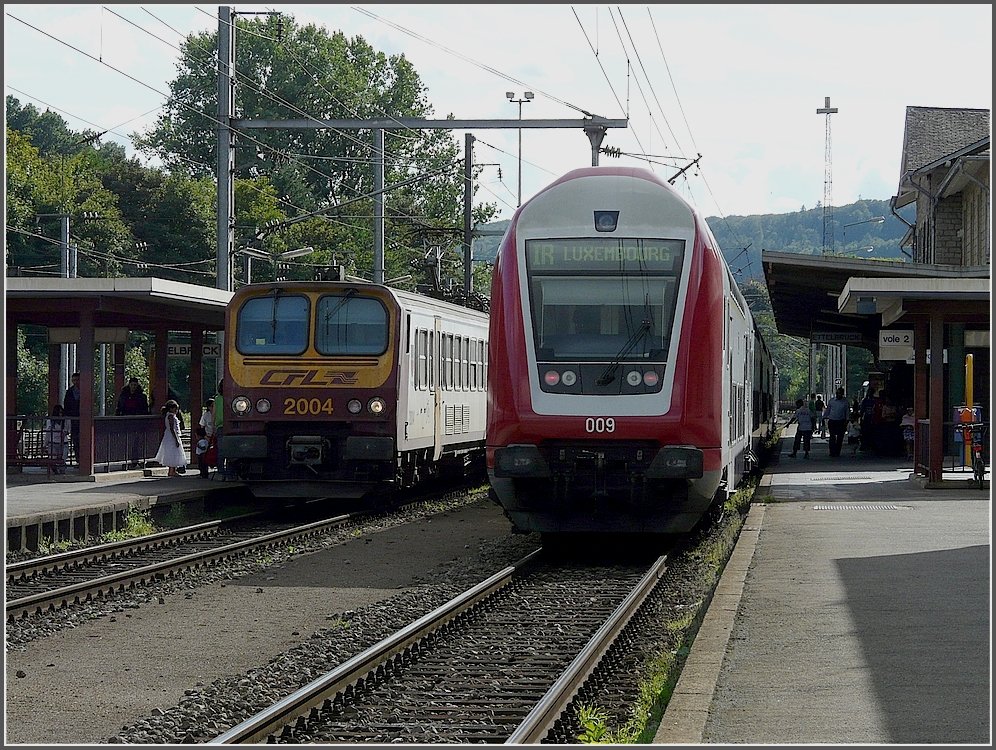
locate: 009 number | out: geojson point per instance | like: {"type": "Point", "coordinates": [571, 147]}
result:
{"type": "Point", "coordinates": [600, 424]}
{"type": "Point", "coordinates": [307, 406]}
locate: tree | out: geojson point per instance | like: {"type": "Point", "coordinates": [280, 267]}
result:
{"type": "Point", "coordinates": [285, 70]}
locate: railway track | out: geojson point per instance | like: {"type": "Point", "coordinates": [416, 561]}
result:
{"type": "Point", "coordinates": [59, 581]}
{"type": "Point", "coordinates": [500, 663]}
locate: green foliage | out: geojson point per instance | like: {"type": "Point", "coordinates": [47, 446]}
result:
{"type": "Point", "coordinates": [136, 523]}
{"type": "Point", "coordinates": [32, 379]}
{"type": "Point", "coordinates": [310, 74]}
{"type": "Point", "coordinates": [47, 547]}
{"type": "Point", "coordinates": [176, 517]}
{"type": "Point", "coordinates": [592, 720]}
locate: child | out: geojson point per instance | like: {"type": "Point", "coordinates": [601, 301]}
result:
{"type": "Point", "coordinates": [908, 424]}
{"type": "Point", "coordinates": [804, 432]}
{"type": "Point", "coordinates": [854, 435]}
{"type": "Point", "coordinates": [171, 451]}
{"type": "Point", "coordinates": [56, 432]}
{"type": "Point", "coordinates": [201, 450]}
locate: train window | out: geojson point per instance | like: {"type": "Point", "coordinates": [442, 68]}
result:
{"type": "Point", "coordinates": [347, 324]}
{"type": "Point", "coordinates": [422, 358]}
{"type": "Point", "coordinates": [475, 353]}
{"type": "Point", "coordinates": [275, 324]}
{"type": "Point", "coordinates": [447, 360]}
{"type": "Point", "coordinates": [600, 317]}
{"type": "Point", "coordinates": [465, 362]}
{"type": "Point", "coordinates": [431, 380]}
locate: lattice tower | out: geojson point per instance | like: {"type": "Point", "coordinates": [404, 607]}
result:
{"type": "Point", "coordinates": [827, 110]}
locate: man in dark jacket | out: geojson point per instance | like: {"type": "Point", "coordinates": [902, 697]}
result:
{"type": "Point", "coordinates": [132, 400]}
{"type": "Point", "coordinates": [71, 408]}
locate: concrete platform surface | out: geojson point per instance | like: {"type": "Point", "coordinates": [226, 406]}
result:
{"type": "Point", "coordinates": [854, 609]}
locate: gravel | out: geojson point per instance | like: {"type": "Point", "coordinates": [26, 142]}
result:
{"type": "Point", "coordinates": [188, 659]}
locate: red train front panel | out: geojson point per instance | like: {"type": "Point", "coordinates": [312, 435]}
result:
{"type": "Point", "coordinates": [311, 388]}
{"type": "Point", "coordinates": [607, 407]}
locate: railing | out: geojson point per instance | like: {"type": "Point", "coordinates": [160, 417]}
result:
{"type": "Point", "coordinates": [118, 442]}
{"type": "Point", "coordinates": [956, 438]}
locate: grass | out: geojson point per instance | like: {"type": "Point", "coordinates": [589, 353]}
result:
{"type": "Point", "coordinates": [663, 670]}
{"type": "Point", "coordinates": [136, 523]}
{"type": "Point", "coordinates": [47, 547]}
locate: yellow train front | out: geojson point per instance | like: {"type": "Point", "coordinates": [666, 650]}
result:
{"type": "Point", "coordinates": [336, 389]}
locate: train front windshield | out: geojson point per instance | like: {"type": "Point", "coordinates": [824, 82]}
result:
{"type": "Point", "coordinates": [603, 298]}
{"type": "Point", "coordinates": [344, 324]}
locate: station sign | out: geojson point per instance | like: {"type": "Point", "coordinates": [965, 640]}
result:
{"type": "Point", "coordinates": [100, 335]}
{"type": "Point", "coordinates": [182, 351]}
{"type": "Point", "coordinates": [835, 337]}
{"type": "Point", "coordinates": [895, 344]}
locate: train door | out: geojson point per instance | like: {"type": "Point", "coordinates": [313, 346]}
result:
{"type": "Point", "coordinates": [436, 384]}
{"type": "Point", "coordinates": [406, 380]}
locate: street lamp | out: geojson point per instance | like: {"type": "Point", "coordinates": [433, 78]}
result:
{"type": "Point", "coordinates": [527, 96]}
{"type": "Point", "coordinates": [872, 220]}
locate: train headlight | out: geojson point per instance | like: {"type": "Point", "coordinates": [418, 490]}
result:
{"type": "Point", "coordinates": [569, 377]}
{"type": "Point", "coordinates": [633, 377]}
{"type": "Point", "coordinates": [551, 377]}
{"type": "Point", "coordinates": [241, 405]}
{"type": "Point", "coordinates": [263, 405]}
{"type": "Point", "coordinates": [376, 405]}
{"type": "Point", "coordinates": [606, 221]}
{"type": "Point", "coordinates": [650, 378]}
{"type": "Point", "coordinates": [354, 406]}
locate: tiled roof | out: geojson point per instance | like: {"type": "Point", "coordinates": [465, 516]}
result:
{"type": "Point", "coordinates": [935, 132]}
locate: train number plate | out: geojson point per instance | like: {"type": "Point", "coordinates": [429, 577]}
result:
{"type": "Point", "coordinates": [600, 424]}
{"type": "Point", "coordinates": [307, 406]}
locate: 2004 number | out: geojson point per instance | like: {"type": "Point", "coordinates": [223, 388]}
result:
{"type": "Point", "coordinates": [600, 424]}
{"type": "Point", "coordinates": [299, 406]}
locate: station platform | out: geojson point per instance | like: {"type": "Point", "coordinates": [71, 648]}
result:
{"type": "Point", "coordinates": [855, 609]}
{"type": "Point", "coordinates": [41, 508]}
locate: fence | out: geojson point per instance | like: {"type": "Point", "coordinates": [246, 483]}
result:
{"type": "Point", "coordinates": [955, 439]}
{"type": "Point", "coordinates": [118, 442]}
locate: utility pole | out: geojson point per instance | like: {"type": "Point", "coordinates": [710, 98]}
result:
{"type": "Point", "coordinates": [827, 110]}
{"type": "Point", "coordinates": [226, 150]}
{"type": "Point", "coordinates": [378, 227]}
{"type": "Point", "coordinates": [468, 195]}
{"type": "Point", "coordinates": [594, 127]}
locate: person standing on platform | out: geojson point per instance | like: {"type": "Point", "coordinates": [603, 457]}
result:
{"type": "Point", "coordinates": [171, 451]}
{"type": "Point", "coordinates": [219, 418]}
{"type": "Point", "coordinates": [821, 426]}
{"type": "Point", "coordinates": [803, 417]}
{"type": "Point", "coordinates": [132, 402]}
{"type": "Point", "coordinates": [201, 449]}
{"type": "Point", "coordinates": [207, 418]}
{"type": "Point", "coordinates": [836, 417]}
{"type": "Point", "coordinates": [71, 408]}
{"type": "Point", "coordinates": [908, 425]}
{"type": "Point", "coordinates": [56, 438]}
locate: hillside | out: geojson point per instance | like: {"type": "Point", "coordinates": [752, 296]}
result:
{"type": "Point", "coordinates": [798, 232]}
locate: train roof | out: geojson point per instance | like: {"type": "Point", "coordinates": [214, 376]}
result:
{"type": "Point", "coordinates": [401, 295]}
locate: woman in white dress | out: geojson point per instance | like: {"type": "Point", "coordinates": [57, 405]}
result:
{"type": "Point", "coordinates": [171, 451]}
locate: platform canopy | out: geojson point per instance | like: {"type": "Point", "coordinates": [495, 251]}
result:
{"type": "Point", "coordinates": [805, 291]}
{"type": "Point", "coordinates": [142, 303]}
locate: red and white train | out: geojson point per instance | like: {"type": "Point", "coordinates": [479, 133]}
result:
{"type": "Point", "coordinates": [628, 378]}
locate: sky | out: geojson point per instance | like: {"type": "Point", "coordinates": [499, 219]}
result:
{"type": "Point", "coordinates": [738, 84]}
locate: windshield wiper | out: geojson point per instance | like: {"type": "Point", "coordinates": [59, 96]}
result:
{"type": "Point", "coordinates": [610, 372]}
{"type": "Point", "coordinates": [342, 301]}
